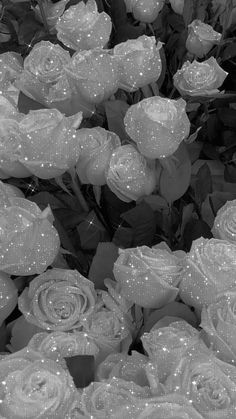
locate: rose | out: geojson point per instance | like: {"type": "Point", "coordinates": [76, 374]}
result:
{"type": "Point", "coordinates": [165, 346]}
{"type": "Point", "coordinates": [81, 27]}
{"type": "Point", "coordinates": [58, 300]}
{"type": "Point", "coordinates": [199, 79]}
{"type": "Point", "coordinates": [109, 331]}
{"type": "Point", "coordinates": [148, 276]}
{"type": "Point", "coordinates": [49, 143]}
{"type": "Point", "coordinates": [157, 125]}
{"type": "Point", "coordinates": [129, 175]}
{"type": "Point", "coordinates": [28, 241]}
{"type": "Point", "coordinates": [139, 62]}
{"type": "Point", "coordinates": [59, 345]}
{"type": "Point", "coordinates": [218, 322]}
{"type": "Point", "coordinates": [103, 400]}
{"type": "Point", "coordinates": [177, 6]}
{"type": "Point", "coordinates": [96, 147]}
{"type": "Point", "coordinates": [52, 12]}
{"type": "Point", "coordinates": [8, 296]}
{"type": "Point", "coordinates": [201, 38]}
{"type": "Point", "coordinates": [209, 383]}
{"type": "Point", "coordinates": [34, 387]}
{"type": "Point", "coordinates": [10, 141]}
{"type": "Point", "coordinates": [144, 10]}
{"type": "Point", "coordinates": [225, 222]}
{"type": "Point", "coordinates": [42, 70]}
{"type": "Point", "coordinates": [127, 367]}
{"type": "Point", "coordinates": [93, 75]}
{"type": "Point", "coordinates": [171, 406]}
{"type": "Point", "coordinates": [209, 269]}
{"type": "Point", "coordinates": [11, 65]}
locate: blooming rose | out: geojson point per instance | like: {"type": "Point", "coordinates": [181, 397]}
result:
{"type": "Point", "coordinates": [52, 11]}
{"type": "Point", "coordinates": [59, 345]}
{"type": "Point", "coordinates": [209, 269]}
{"type": "Point", "coordinates": [166, 346]}
{"type": "Point", "coordinates": [8, 296]}
{"type": "Point", "coordinates": [42, 70]}
{"type": "Point", "coordinates": [219, 324]}
{"type": "Point", "coordinates": [144, 10]}
{"type": "Point", "coordinates": [207, 382]}
{"type": "Point", "coordinates": [103, 400]}
{"type": "Point", "coordinates": [157, 125]}
{"type": "Point", "coordinates": [148, 276]}
{"type": "Point", "coordinates": [48, 142]}
{"type": "Point", "coordinates": [225, 222]}
{"type": "Point", "coordinates": [58, 300]}
{"type": "Point", "coordinates": [199, 79]}
{"type": "Point", "coordinates": [201, 38]}
{"type": "Point", "coordinates": [129, 175]}
{"type": "Point", "coordinates": [170, 406]}
{"type": "Point", "coordinates": [109, 331]}
{"type": "Point", "coordinates": [96, 147]}
{"type": "Point", "coordinates": [93, 75]}
{"type": "Point", "coordinates": [127, 367]}
{"type": "Point", "coordinates": [139, 62]}
{"type": "Point", "coordinates": [33, 387]}
{"type": "Point", "coordinates": [177, 6]}
{"type": "Point", "coordinates": [11, 65]}
{"type": "Point", "coordinates": [81, 27]}
{"type": "Point", "coordinates": [28, 241]}
{"type": "Point", "coordinates": [10, 141]}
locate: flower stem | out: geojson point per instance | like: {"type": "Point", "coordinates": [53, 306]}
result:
{"type": "Point", "coordinates": [77, 191]}
{"type": "Point", "coordinates": [42, 11]}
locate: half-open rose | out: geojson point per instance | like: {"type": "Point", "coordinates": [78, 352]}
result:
{"type": "Point", "coordinates": [59, 300]}
{"type": "Point", "coordinates": [209, 383]}
{"type": "Point", "coordinates": [33, 387]}
{"type": "Point", "coordinates": [218, 322]}
{"type": "Point", "coordinates": [82, 27]}
{"type": "Point", "coordinates": [60, 345]}
{"type": "Point", "coordinates": [201, 38]}
{"type": "Point", "coordinates": [225, 222]}
{"type": "Point", "coordinates": [28, 241]}
{"type": "Point", "coordinates": [209, 269]}
{"type": "Point", "coordinates": [102, 400]}
{"type": "Point", "coordinates": [148, 276]}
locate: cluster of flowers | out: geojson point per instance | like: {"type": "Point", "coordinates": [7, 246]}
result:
{"type": "Point", "coordinates": [185, 371]}
{"type": "Point", "coordinates": [47, 143]}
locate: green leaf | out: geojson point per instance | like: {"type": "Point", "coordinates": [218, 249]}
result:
{"type": "Point", "coordinates": [230, 172]}
{"type": "Point", "coordinates": [173, 185]}
{"type": "Point", "coordinates": [142, 220]}
{"type": "Point", "coordinates": [229, 52]}
{"type": "Point", "coordinates": [123, 237]}
{"type": "Point", "coordinates": [26, 104]}
{"type": "Point", "coordinates": [91, 232]}
{"type": "Point", "coordinates": [102, 264]}
{"type": "Point", "coordinates": [188, 11]}
{"type": "Point", "coordinates": [228, 117]}
{"type": "Point", "coordinates": [202, 185]}
{"type": "Point", "coordinates": [213, 203]}
{"type": "Point", "coordinates": [195, 229]}
{"type": "Point", "coordinates": [115, 113]}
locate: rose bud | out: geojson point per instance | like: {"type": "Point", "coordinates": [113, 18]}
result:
{"type": "Point", "coordinates": [177, 6]}
{"type": "Point", "coordinates": [144, 10]}
{"type": "Point", "coordinates": [201, 38]}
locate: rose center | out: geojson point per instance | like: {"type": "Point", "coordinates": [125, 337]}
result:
{"type": "Point", "coordinates": [212, 392]}
{"type": "Point", "coordinates": [62, 310]}
{"type": "Point", "coordinates": [199, 75]}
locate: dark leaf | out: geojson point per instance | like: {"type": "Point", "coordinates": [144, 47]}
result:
{"type": "Point", "coordinates": [176, 22]}
{"type": "Point", "coordinates": [229, 52]}
{"type": "Point", "coordinates": [213, 203]}
{"type": "Point", "coordinates": [91, 232]}
{"type": "Point", "coordinates": [26, 104]}
{"type": "Point", "coordinates": [102, 264]}
{"type": "Point", "coordinates": [115, 113]}
{"type": "Point", "coordinates": [228, 117]}
{"type": "Point", "coordinates": [142, 220]}
{"type": "Point", "coordinates": [230, 173]}
{"type": "Point", "coordinates": [188, 11]}
{"type": "Point", "coordinates": [123, 237]}
{"type": "Point", "coordinates": [195, 229]}
{"type": "Point", "coordinates": [202, 185]}
{"type": "Point", "coordinates": [82, 369]}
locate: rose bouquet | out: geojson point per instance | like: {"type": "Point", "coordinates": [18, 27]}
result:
{"type": "Point", "coordinates": [117, 209]}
